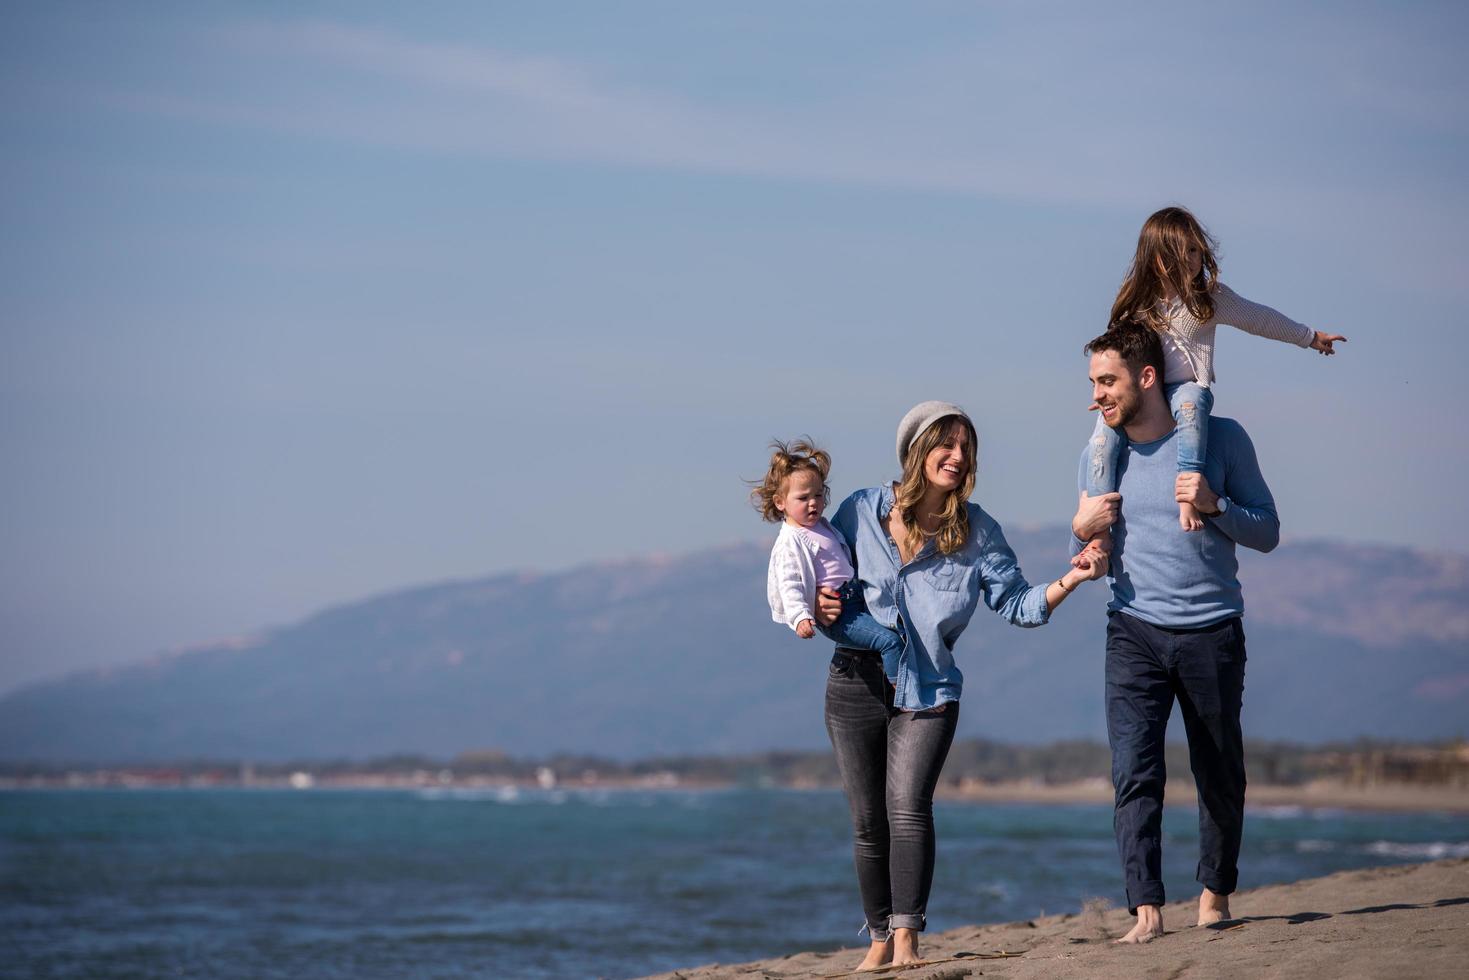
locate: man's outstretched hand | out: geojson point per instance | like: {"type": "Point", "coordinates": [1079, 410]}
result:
{"type": "Point", "coordinates": [1092, 560]}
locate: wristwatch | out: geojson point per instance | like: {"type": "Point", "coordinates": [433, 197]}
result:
{"type": "Point", "coordinates": [1223, 506]}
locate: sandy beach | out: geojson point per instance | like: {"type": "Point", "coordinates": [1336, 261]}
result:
{"type": "Point", "coordinates": [1401, 921]}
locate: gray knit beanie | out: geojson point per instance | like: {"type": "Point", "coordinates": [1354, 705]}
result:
{"type": "Point", "coordinates": [920, 417]}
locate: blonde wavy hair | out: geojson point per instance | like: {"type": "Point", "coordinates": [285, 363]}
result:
{"type": "Point", "coordinates": [953, 529]}
{"type": "Point", "coordinates": [787, 459]}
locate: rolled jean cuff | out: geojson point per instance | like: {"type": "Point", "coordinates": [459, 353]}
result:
{"type": "Point", "coordinates": [1144, 893]}
{"type": "Point", "coordinates": [915, 922]}
{"type": "Point", "coordinates": [1216, 882]}
{"type": "Point", "coordinates": [878, 934]}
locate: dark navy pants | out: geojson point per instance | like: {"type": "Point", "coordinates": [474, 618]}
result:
{"type": "Point", "coordinates": [1147, 668]}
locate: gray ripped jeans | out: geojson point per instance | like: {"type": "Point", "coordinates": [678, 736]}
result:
{"type": "Point", "coordinates": [890, 762]}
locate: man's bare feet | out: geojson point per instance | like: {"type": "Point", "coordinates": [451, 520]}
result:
{"type": "Point", "coordinates": [1189, 518]}
{"type": "Point", "coordinates": [905, 946]}
{"type": "Point", "coordinates": [878, 955]}
{"type": "Point", "coordinates": [1212, 907]}
{"type": "Point", "coordinates": [1149, 925]}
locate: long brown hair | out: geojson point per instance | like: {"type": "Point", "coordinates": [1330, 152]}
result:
{"type": "Point", "coordinates": [953, 529]}
{"type": "Point", "coordinates": [1160, 268]}
{"type": "Point", "coordinates": [787, 459]}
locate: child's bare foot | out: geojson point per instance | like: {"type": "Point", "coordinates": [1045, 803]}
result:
{"type": "Point", "coordinates": [879, 954]}
{"type": "Point", "coordinates": [905, 946]}
{"type": "Point", "coordinates": [1189, 518]}
{"type": "Point", "coordinates": [1213, 907]}
{"type": "Point", "coordinates": [1149, 925]}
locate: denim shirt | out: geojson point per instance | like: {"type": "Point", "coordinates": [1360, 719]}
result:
{"type": "Point", "coordinates": [930, 599]}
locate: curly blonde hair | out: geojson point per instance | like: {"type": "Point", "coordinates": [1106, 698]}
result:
{"type": "Point", "coordinates": [953, 529]}
{"type": "Point", "coordinates": [787, 459]}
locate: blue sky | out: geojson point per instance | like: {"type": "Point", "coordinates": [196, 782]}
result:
{"type": "Point", "coordinates": [300, 303]}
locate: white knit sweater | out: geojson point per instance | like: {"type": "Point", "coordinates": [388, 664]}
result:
{"type": "Point", "coordinates": [1188, 343]}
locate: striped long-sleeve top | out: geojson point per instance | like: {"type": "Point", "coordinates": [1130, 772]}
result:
{"type": "Point", "coordinates": [1188, 343]}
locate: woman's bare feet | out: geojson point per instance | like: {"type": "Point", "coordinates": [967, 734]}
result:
{"type": "Point", "coordinates": [1212, 907]}
{"type": "Point", "coordinates": [1149, 925]}
{"type": "Point", "coordinates": [905, 946]}
{"type": "Point", "coordinates": [1189, 518]}
{"type": "Point", "coordinates": [878, 955]}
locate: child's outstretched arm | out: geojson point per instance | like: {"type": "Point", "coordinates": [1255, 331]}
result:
{"type": "Point", "coordinates": [1233, 309]}
{"type": "Point", "coordinates": [1323, 342]}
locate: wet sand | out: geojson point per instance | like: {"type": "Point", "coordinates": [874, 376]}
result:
{"type": "Point", "coordinates": [1401, 921]}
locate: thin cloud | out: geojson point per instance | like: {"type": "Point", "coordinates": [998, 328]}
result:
{"type": "Point", "coordinates": [473, 99]}
{"type": "Point", "coordinates": [990, 119]}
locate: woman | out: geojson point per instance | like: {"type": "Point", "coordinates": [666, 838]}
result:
{"type": "Point", "coordinates": [924, 557]}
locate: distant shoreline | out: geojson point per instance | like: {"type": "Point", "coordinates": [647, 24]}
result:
{"type": "Point", "coordinates": [1319, 794]}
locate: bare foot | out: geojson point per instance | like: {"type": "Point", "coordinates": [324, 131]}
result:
{"type": "Point", "coordinates": [879, 954]}
{"type": "Point", "coordinates": [905, 947]}
{"type": "Point", "coordinates": [1212, 907]}
{"type": "Point", "coordinates": [1189, 518]}
{"type": "Point", "coordinates": [1149, 925]}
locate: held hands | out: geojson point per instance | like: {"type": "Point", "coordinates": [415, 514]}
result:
{"type": "Point", "coordinates": [828, 607]}
{"type": "Point", "coordinates": [805, 629]}
{"type": "Point", "coordinates": [1094, 515]}
{"type": "Point", "coordinates": [1192, 488]}
{"type": "Point", "coordinates": [1092, 560]}
{"type": "Point", "coordinates": [1323, 341]}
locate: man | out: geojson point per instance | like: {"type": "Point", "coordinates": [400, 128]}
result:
{"type": "Point", "coordinates": [1173, 627]}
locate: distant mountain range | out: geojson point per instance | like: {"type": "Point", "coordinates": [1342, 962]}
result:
{"type": "Point", "coordinates": [672, 655]}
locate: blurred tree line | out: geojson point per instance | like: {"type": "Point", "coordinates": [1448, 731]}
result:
{"type": "Point", "coordinates": [1361, 763]}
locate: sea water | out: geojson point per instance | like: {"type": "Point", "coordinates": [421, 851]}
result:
{"type": "Point", "coordinates": [521, 883]}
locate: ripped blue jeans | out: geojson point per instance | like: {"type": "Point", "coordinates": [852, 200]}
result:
{"type": "Point", "coordinates": [857, 628]}
{"type": "Point", "coordinates": [1190, 403]}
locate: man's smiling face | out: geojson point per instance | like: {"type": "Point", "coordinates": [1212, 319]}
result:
{"type": "Point", "coordinates": [1114, 388]}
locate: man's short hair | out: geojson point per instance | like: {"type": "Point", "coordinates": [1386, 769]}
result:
{"type": "Point", "coordinates": [1136, 343]}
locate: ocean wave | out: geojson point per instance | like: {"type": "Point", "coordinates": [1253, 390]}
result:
{"type": "Point", "coordinates": [1310, 846]}
{"type": "Point", "coordinates": [1277, 812]}
{"type": "Point", "coordinates": [596, 797]}
{"type": "Point", "coordinates": [485, 794]}
{"type": "Point", "coordinates": [1426, 851]}
{"type": "Point", "coordinates": [1294, 811]}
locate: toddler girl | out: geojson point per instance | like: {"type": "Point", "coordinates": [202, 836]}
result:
{"type": "Point", "coordinates": [809, 554]}
{"type": "Point", "coordinates": [1173, 287]}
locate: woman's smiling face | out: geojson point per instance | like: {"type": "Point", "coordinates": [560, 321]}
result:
{"type": "Point", "coordinates": [947, 465]}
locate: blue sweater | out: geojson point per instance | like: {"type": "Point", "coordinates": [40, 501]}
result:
{"type": "Point", "coordinates": [1164, 575]}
